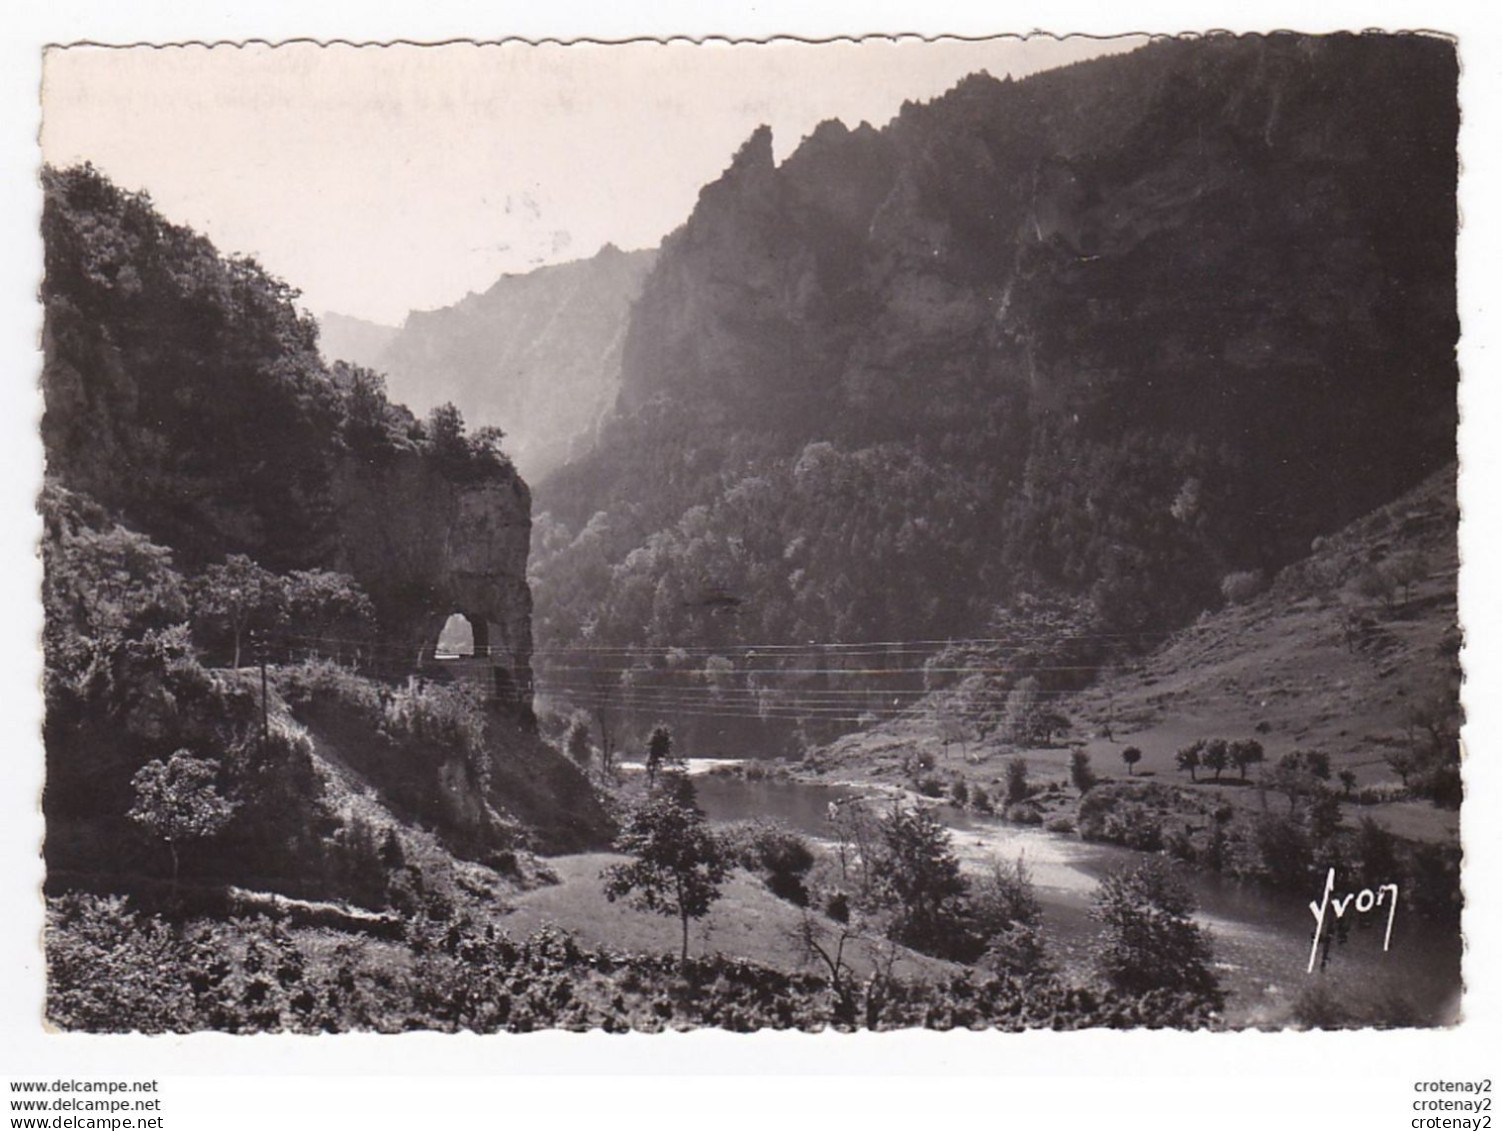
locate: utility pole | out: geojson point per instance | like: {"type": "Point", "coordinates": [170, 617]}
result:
{"type": "Point", "coordinates": [260, 647]}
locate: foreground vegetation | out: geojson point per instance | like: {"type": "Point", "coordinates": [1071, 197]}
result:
{"type": "Point", "coordinates": [895, 894]}
{"type": "Point", "coordinates": [113, 969]}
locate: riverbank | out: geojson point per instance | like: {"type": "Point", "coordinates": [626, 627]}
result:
{"type": "Point", "coordinates": [1260, 934]}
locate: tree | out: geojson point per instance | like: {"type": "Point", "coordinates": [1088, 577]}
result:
{"type": "Point", "coordinates": [954, 728]}
{"type": "Point", "coordinates": [328, 605]}
{"type": "Point", "coordinates": [1403, 763]}
{"type": "Point", "coordinates": [814, 940]}
{"type": "Point", "coordinates": [1317, 762]}
{"type": "Point", "coordinates": [856, 836]}
{"type": "Point", "coordinates": [1188, 757]}
{"type": "Point", "coordinates": [1299, 774]}
{"type": "Point", "coordinates": [1047, 725]}
{"type": "Point", "coordinates": [486, 443]}
{"type": "Point", "coordinates": [1406, 570]}
{"type": "Point", "coordinates": [1131, 756]}
{"type": "Point", "coordinates": [1347, 781]}
{"type": "Point", "coordinates": [1080, 773]}
{"type": "Point", "coordinates": [1022, 706]}
{"type": "Point", "coordinates": [1007, 916]}
{"type": "Point", "coordinates": [445, 432]}
{"type": "Point", "coordinates": [1376, 855]}
{"type": "Point", "coordinates": [1217, 756]}
{"type": "Point", "coordinates": [1016, 780]}
{"type": "Point", "coordinates": [1246, 753]}
{"type": "Point", "coordinates": [578, 742]}
{"type": "Point", "coordinates": [239, 595]}
{"type": "Point", "coordinates": [1151, 940]}
{"type": "Point", "coordinates": [679, 863]}
{"type": "Point", "coordinates": [101, 580]}
{"type": "Point", "coordinates": [920, 878]}
{"type": "Point", "coordinates": [659, 751]}
{"type": "Point", "coordinates": [369, 422]}
{"type": "Point", "coordinates": [176, 801]}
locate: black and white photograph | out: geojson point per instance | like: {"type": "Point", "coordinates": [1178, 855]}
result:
{"type": "Point", "coordinates": [949, 534]}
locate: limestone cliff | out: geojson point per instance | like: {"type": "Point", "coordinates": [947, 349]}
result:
{"type": "Point", "coordinates": [537, 354]}
{"type": "Point", "coordinates": [427, 546]}
{"type": "Point", "coordinates": [1110, 332]}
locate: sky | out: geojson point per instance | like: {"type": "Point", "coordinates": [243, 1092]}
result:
{"type": "Point", "coordinates": [379, 180]}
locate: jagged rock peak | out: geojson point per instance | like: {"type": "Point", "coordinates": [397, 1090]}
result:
{"type": "Point", "coordinates": [753, 168]}
{"type": "Point", "coordinates": [754, 153]}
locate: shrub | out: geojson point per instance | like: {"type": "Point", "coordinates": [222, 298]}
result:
{"type": "Point", "coordinates": [980, 800]}
{"type": "Point", "coordinates": [1381, 794]}
{"type": "Point", "coordinates": [959, 793]}
{"type": "Point", "coordinates": [1319, 1007]}
{"type": "Point", "coordinates": [1024, 812]}
{"type": "Point", "coordinates": [1118, 814]}
{"type": "Point", "coordinates": [421, 716]}
{"type": "Point", "coordinates": [915, 764]}
{"type": "Point", "coordinates": [781, 857]}
{"type": "Point", "coordinates": [1080, 774]}
{"type": "Point", "coordinates": [930, 786]}
{"type": "Point", "coordinates": [1017, 951]}
{"type": "Point", "coordinates": [1240, 587]}
{"type": "Point", "coordinates": [1284, 854]}
{"type": "Point", "coordinates": [318, 683]}
{"type": "Point", "coordinates": [1004, 896]}
{"type": "Point", "coordinates": [1151, 940]}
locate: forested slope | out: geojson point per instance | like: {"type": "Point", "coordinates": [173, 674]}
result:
{"type": "Point", "coordinates": [1104, 335]}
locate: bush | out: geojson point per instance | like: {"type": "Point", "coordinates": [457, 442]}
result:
{"type": "Point", "coordinates": [422, 716]}
{"type": "Point", "coordinates": [113, 969]}
{"type": "Point", "coordinates": [1024, 813]}
{"type": "Point", "coordinates": [1151, 940]}
{"type": "Point", "coordinates": [781, 857]}
{"type": "Point", "coordinates": [318, 683]}
{"type": "Point", "coordinates": [959, 793]}
{"type": "Point", "coordinates": [1240, 587]}
{"type": "Point", "coordinates": [1381, 794]}
{"type": "Point", "coordinates": [1285, 856]}
{"type": "Point", "coordinates": [1004, 896]}
{"type": "Point", "coordinates": [930, 786]}
{"type": "Point", "coordinates": [916, 764]}
{"type": "Point", "coordinates": [1017, 951]}
{"type": "Point", "coordinates": [1120, 814]}
{"type": "Point", "coordinates": [1080, 774]}
{"type": "Point", "coordinates": [980, 800]}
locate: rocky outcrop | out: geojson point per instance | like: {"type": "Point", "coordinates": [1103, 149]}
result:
{"type": "Point", "coordinates": [427, 546]}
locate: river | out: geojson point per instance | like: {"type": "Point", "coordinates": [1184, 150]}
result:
{"type": "Point", "coordinates": [1260, 936]}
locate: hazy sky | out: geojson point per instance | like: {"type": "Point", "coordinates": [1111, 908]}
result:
{"type": "Point", "coordinates": [383, 179]}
